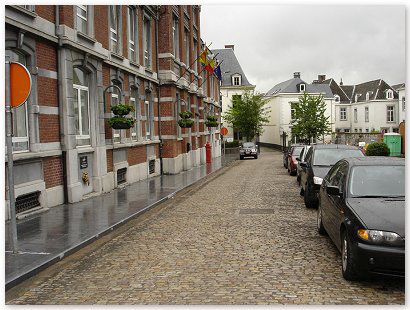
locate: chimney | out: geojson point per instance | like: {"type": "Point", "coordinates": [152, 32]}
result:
{"type": "Point", "coordinates": [321, 78]}
{"type": "Point", "coordinates": [230, 46]}
{"type": "Point", "coordinates": [341, 82]}
{"type": "Point", "coordinates": [296, 75]}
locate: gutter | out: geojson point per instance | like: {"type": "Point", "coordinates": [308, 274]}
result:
{"type": "Point", "coordinates": [60, 102]}
{"type": "Point", "coordinates": [158, 90]}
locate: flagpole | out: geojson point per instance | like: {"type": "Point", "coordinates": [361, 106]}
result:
{"type": "Point", "coordinates": [206, 47]}
{"type": "Point", "coordinates": [204, 69]}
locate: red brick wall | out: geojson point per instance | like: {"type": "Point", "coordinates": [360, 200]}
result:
{"type": "Point", "coordinates": [67, 15]}
{"type": "Point", "coordinates": [101, 25]}
{"type": "Point", "coordinates": [47, 12]}
{"type": "Point", "coordinates": [47, 91]}
{"type": "Point", "coordinates": [53, 171]}
{"type": "Point", "coordinates": [124, 31]}
{"type": "Point", "coordinates": [168, 127]}
{"type": "Point", "coordinates": [49, 127]}
{"type": "Point", "coordinates": [46, 56]}
{"type": "Point", "coordinates": [110, 162]}
{"type": "Point", "coordinates": [136, 155]}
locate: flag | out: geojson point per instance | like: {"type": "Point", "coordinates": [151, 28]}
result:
{"type": "Point", "coordinates": [218, 72]}
{"type": "Point", "coordinates": [203, 57]}
{"type": "Point", "coordinates": [210, 66]}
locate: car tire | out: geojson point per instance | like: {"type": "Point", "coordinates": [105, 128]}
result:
{"type": "Point", "coordinates": [241, 157]}
{"type": "Point", "coordinates": [298, 179]}
{"type": "Point", "coordinates": [349, 270]}
{"type": "Point", "coordinates": [302, 191]}
{"type": "Point", "coordinates": [256, 156]}
{"type": "Point", "coordinates": [320, 228]}
{"type": "Point", "coordinates": [309, 202]}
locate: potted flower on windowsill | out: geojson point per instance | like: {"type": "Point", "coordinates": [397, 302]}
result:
{"type": "Point", "coordinates": [120, 120]}
{"type": "Point", "coordinates": [211, 121]}
{"type": "Point", "coordinates": [186, 120]}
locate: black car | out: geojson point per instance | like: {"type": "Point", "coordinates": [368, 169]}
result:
{"type": "Point", "coordinates": [248, 149]}
{"type": "Point", "coordinates": [318, 161]}
{"type": "Point", "coordinates": [361, 207]}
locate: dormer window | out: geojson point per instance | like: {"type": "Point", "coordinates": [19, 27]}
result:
{"type": "Point", "coordinates": [367, 96]}
{"type": "Point", "coordinates": [236, 80]}
{"type": "Point", "coordinates": [302, 87]}
{"type": "Point", "coordinates": [356, 97]}
{"type": "Point", "coordinates": [337, 98]}
{"type": "Point", "coordinates": [389, 94]}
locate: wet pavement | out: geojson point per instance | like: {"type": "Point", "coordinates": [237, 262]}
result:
{"type": "Point", "coordinates": [45, 238]}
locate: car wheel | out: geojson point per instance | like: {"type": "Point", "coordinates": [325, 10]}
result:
{"type": "Point", "coordinates": [241, 157]}
{"type": "Point", "coordinates": [348, 262]}
{"type": "Point", "coordinates": [320, 228]}
{"type": "Point", "coordinates": [256, 156]}
{"type": "Point", "coordinates": [298, 179]}
{"type": "Point", "coordinates": [309, 201]}
{"type": "Point", "coordinates": [302, 191]}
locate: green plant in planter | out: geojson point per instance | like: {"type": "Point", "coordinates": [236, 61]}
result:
{"type": "Point", "coordinates": [211, 121]}
{"type": "Point", "coordinates": [120, 121]}
{"type": "Point", "coordinates": [186, 120]}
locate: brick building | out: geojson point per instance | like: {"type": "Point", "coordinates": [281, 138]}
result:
{"type": "Point", "coordinates": [84, 59]}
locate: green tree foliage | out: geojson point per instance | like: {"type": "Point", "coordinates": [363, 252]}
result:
{"type": "Point", "coordinates": [248, 113]}
{"type": "Point", "coordinates": [309, 120]}
{"type": "Point", "coordinates": [378, 149]}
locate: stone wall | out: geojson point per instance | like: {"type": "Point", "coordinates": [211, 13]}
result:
{"type": "Point", "coordinates": [355, 138]}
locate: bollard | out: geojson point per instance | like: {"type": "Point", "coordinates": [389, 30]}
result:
{"type": "Point", "coordinates": [208, 149]}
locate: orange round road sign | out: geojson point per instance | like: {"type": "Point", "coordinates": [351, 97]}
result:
{"type": "Point", "coordinates": [224, 131]}
{"type": "Point", "coordinates": [20, 84]}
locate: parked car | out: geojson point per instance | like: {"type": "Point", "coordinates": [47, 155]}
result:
{"type": "Point", "coordinates": [248, 149]}
{"type": "Point", "coordinates": [292, 155]}
{"type": "Point", "coordinates": [300, 159]}
{"type": "Point", "coordinates": [318, 161]}
{"type": "Point", "coordinates": [361, 207]}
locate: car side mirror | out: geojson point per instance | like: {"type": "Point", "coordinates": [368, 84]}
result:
{"type": "Point", "coordinates": [303, 164]}
{"type": "Point", "coordinates": [333, 190]}
{"type": "Point", "coordinates": [297, 159]}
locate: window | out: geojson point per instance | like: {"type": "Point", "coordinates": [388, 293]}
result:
{"type": "Point", "coordinates": [147, 42]}
{"type": "Point", "coordinates": [337, 98]}
{"type": "Point", "coordinates": [82, 17]}
{"type": "Point", "coordinates": [292, 109]}
{"type": "Point", "coordinates": [366, 114]}
{"type": "Point", "coordinates": [30, 8]}
{"type": "Point", "coordinates": [403, 100]}
{"type": "Point", "coordinates": [195, 65]}
{"type": "Point", "coordinates": [355, 115]}
{"type": "Point", "coordinates": [175, 36]}
{"type": "Point", "coordinates": [367, 130]}
{"type": "Point", "coordinates": [148, 123]}
{"type": "Point", "coordinates": [390, 113]}
{"type": "Point", "coordinates": [81, 107]}
{"type": "Point", "coordinates": [347, 130]}
{"type": "Point", "coordinates": [116, 132]}
{"type": "Point", "coordinates": [236, 81]}
{"type": "Point", "coordinates": [132, 35]}
{"type": "Point", "coordinates": [396, 130]}
{"type": "Point", "coordinates": [114, 28]}
{"type": "Point", "coordinates": [177, 111]}
{"type": "Point", "coordinates": [135, 131]}
{"type": "Point", "coordinates": [367, 96]}
{"type": "Point", "coordinates": [186, 41]}
{"type": "Point", "coordinates": [19, 115]}
{"type": "Point", "coordinates": [355, 130]}
{"type": "Point", "coordinates": [302, 87]}
{"type": "Point", "coordinates": [343, 114]}
{"type": "Point", "coordinates": [389, 94]}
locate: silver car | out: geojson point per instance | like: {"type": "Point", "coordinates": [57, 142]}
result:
{"type": "Point", "coordinates": [248, 149]}
{"type": "Point", "coordinates": [300, 159]}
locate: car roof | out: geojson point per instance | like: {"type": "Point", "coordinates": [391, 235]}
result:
{"type": "Point", "coordinates": [375, 160]}
{"type": "Point", "coordinates": [335, 146]}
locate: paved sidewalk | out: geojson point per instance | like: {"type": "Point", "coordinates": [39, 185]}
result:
{"type": "Point", "coordinates": [45, 238]}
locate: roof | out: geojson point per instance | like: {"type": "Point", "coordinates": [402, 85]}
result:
{"type": "Point", "coordinates": [337, 90]}
{"type": "Point", "coordinates": [291, 86]}
{"type": "Point", "coordinates": [397, 86]}
{"type": "Point", "coordinates": [372, 160]}
{"type": "Point", "coordinates": [335, 146]}
{"type": "Point", "coordinates": [375, 88]}
{"type": "Point", "coordinates": [230, 66]}
{"type": "Point", "coordinates": [348, 89]}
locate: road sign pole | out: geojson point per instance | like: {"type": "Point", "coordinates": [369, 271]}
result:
{"type": "Point", "coordinates": [9, 144]}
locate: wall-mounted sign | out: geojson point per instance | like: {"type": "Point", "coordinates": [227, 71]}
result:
{"type": "Point", "coordinates": [229, 139]}
{"type": "Point", "coordinates": [83, 162]}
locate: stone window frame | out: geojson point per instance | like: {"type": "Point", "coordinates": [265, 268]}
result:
{"type": "Point", "coordinates": [135, 41]}
{"type": "Point", "coordinates": [355, 116]}
{"type": "Point", "coordinates": [337, 98]}
{"type": "Point", "coordinates": [27, 46]}
{"type": "Point", "coordinates": [149, 115]}
{"type": "Point", "coordinates": [178, 109]}
{"type": "Point", "coordinates": [403, 103]}
{"type": "Point", "coordinates": [236, 80]}
{"type": "Point", "coordinates": [118, 32]}
{"type": "Point", "coordinates": [147, 41]}
{"type": "Point", "coordinates": [187, 46]}
{"type": "Point", "coordinates": [89, 19]}
{"type": "Point", "coordinates": [390, 117]}
{"type": "Point", "coordinates": [80, 88]}
{"type": "Point", "coordinates": [366, 114]}
{"type": "Point", "coordinates": [343, 114]}
{"type": "Point", "coordinates": [389, 94]}
{"type": "Point", "coordinates": [175, 35]}
{"type": "Point", "coordinates": [136, 130]}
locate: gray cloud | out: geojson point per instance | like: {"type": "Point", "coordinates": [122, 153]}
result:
{"type": "Point", "coordinates": [354, 42]}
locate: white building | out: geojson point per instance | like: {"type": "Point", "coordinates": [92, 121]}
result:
{"type": "Point", "coordinates": [234, 82]}
{"type": "Point", "coordinates": [281, 97]}
{"type": "Point", "coordinates": [401, 90]}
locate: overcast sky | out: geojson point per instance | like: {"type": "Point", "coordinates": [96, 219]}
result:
{"type": "Point", "coordinates": [356, 43]}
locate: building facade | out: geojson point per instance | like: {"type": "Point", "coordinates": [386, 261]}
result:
{"type": "Point", "coordinates": [281, 97]}
{"type": "Point", "coordinates": [234, 82]}
{"type": "Point", "coordinates": [85, 59]}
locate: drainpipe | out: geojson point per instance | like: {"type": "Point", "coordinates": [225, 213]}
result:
{"type": "Point", "coordinates": [158, 91]}
{"type": "Point", "coordinates": [60, 102]}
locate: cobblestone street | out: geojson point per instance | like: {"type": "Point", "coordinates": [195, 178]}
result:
{"type": "Point", "coordinates": [253, 242]}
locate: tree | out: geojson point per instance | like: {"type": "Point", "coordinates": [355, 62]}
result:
{"type": "Point", "coordinates": [308, 119]}
{"type": "Point", "coordinates": [378, 149]}
{"type": "Point", "coordinates": [248, 114]}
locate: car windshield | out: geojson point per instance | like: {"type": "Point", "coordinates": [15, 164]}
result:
{"type": "Point", "coordinates": [296, 150]}
{"type": "Point", "coordinates": [329, 157]}
{"type": "Point", "coordinates": [249, 144]}
{"type": "Point", "coordinates": [377, 181]}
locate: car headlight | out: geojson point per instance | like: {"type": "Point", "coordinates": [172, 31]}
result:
{"type": "Point", "coordinates": [380, 237]}
{"type": "Point", "coordinates": [317, 180]}
{"type": "Point", "coordinates": [253, 150]}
